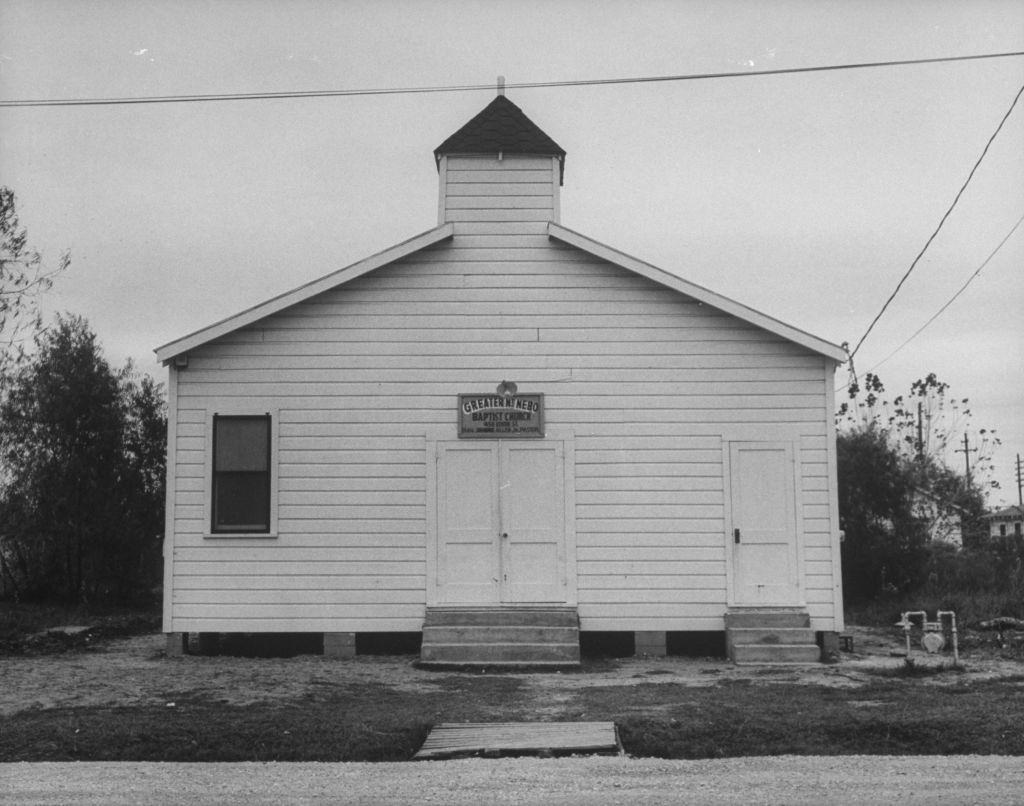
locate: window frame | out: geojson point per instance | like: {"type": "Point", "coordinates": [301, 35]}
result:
{"type": "Point", "coordinates": [211, 531]}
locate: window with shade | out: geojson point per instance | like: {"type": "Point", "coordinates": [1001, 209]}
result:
{"type": "Point", "coordinates": [241, 474]}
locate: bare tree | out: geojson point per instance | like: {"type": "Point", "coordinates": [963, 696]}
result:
{"type": "Point", "coordinates": [23, 278]}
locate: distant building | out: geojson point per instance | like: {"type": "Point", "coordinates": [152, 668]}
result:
{"type": "Point", "coordinates": [943, 520]}
{"type": "Point", "coordinates": [1009, 521]}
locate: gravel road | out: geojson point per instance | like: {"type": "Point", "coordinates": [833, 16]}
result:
{"type": "Point", "coordinates": [931, 780]}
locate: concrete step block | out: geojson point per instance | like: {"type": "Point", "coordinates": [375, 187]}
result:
{"type": "Point", "coordinates": [512, 634]}
{"type": "Point", "coordinates": [501, 654]}
{"type": "Point", "coordinates": [526, 665]}
{"type": "Point", "coordinates": [777, 653]}
{"type": "Point", "coordinates": [768, 617]}
{"type": "Point", "coordinates": [504, 617]}
{"type": "Point", "coordinates": [770, 635]}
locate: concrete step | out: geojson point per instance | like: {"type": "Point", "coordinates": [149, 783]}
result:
{"type": "Point", "coordinates": [501, 636]}
{"type": "Point", "coordinates": [502, 617]}
{"type": "Point", "coordinates": [501, 653]}
{"type": "Point", "coordinates": [775, 653]}
{"type": "Point", "coordinates": [755, 635]}
{"type": "Point", "coordinates": [525, 665]}
{"type": "Point", "coordinates": [498, 634]}
{"type": "Point", "coordinates": [770, 635]}
{"type": "Point", "coordinates": [768, 617]}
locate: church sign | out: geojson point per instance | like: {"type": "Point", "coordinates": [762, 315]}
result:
{"type": "Point", "coordinates": [490, 416]}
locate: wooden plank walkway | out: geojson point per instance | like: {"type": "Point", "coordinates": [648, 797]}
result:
{"type": "Point", "coordinates": [493, 739]}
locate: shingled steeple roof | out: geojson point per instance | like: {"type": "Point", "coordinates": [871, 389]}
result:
{"type": "Point", "coordinates": [501, 126]}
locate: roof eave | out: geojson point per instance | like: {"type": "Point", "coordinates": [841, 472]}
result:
{"type": "Point", "coordinates": [737, 309]}
{"type": "Point", "coordinates": [560, 157]}
{"type": "Point", "coordinates": [169, 351]}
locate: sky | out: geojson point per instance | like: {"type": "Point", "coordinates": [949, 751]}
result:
{"type": "Point", "coordinates": [806, 196]}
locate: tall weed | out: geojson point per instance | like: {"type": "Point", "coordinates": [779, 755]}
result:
{"type": "Point", "coordinates": [978, 584]}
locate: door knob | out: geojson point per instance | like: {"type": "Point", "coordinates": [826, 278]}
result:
{"type": "Point", "coordinates": [504, 535]}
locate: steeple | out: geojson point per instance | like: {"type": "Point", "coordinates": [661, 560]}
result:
{"type": "Point", "coordinates": [501, 127]}
{"type": "Point", "coordinates": [500, 166]}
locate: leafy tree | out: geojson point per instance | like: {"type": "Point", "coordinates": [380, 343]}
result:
{"type": "Point", "coordinates": [885, 543]}
{"type": "Point", "coordinates": [926, 426]}
{"type": "Point", "coordinates": [23, 278]}
{"type": "Point", "coordinates": [81, 496]}
{"type": "Point", "coordinates": [925, 429]}
{"type": "Point", "coordinates": [898, 484]}
{"type": "Point", "coordinates": [145, 455]}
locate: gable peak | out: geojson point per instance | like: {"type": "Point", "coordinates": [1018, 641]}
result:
{"type": "Point", "coordinates": [501, 127]}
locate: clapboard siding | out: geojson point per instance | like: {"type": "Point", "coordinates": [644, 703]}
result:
{"type": "Point", "coordinates": [649, 382]}
{"type": "Point", "coordinates": [271, 613]}
{"type": "Point", "coordinates": [288, 569]}
{"type": "Point", "coordinates": [617, 364]}
{"type": "Point", "coordinates": [696, 545]}
{"type": "Point", "coordinates": [499, 189]}
{"type": "Point", "coordinates": [266, 553]}
{"type": "Point", "coordinates": [474, 171]}
{"type": "Point", "coordinates": [276, 582]}
{"type": "Point", "coordinates": [332, 538]}
{"type": "Point", "coordinates": [667, 580]}
{"type": "Point", "coordinates": [686, 354]}
{"type": "Point", "coordinates": [481, 188]}
{"type": "Point", "coordinates": [363, 619]}
{"type": "Point", "coordinates": [317, 596]}
{"type": "Point", "coordinates": [429, 382]}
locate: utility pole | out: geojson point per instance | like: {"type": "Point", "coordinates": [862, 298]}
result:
{"type": "Point", "coordinates": [920, 434]}
{"type": "Point", "coordinates": [1020, 501]}
{"type": "Point", "coordinates": [967, 451]}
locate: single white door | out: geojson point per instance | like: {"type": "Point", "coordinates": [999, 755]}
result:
{"type": "Point", "coordinates": [501, 522]}
{"type": "Point", "coordinates": [532, 522]}
{"type": "Point", "coordinates": [467, 524]}
{"type": "Point", "coordinates": [763, 530]}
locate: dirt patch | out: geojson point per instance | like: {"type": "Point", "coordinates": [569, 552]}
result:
{"type": "Point", "coordinates": [135, 671]}
{"type": "Point", "coordinates": [123, 699]}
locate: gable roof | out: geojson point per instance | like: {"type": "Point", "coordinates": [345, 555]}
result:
{"type": "Point", "coordinates": [174, 348]}
{"type": "Point", "coordinates": [500, 126]}
{"type": "Point", "coordinates": [167, 352]}
{"type": "Point", "coordinates": [1011, 513]}
{"type": "Point", "coordinates": [701, 294]}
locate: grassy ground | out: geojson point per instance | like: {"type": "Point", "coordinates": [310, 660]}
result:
{"type": "Point", "coordinates": [23, 627]}
{"type": "Point", "coordinates": [902, 709]}
{"type": "Point", "coordinates": [373, 723]}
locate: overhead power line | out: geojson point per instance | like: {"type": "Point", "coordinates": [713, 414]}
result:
{"type": "Point", "coordinates": [946, 215]}
{"type": "Point", "coordinates": [953, 299]}
{"type": "Point", "coordinates": [259, 96]}
{"type": "Point", "coordinates": [950, 301]}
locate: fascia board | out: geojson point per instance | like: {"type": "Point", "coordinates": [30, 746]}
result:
{"type": "Point", "coordinates": [168, 351]}
{"type": "Point", "coordinates": [737, 309]}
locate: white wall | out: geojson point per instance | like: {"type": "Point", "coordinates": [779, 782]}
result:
{"type": "Point", "coordinates": [649, 382]}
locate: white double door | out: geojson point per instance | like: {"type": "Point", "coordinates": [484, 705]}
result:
{"type": "Point", "coordinates": [501, 522]}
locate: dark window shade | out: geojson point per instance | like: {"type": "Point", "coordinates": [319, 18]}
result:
{"type": "Point", "coordinates": [242, 443]}
{"type": "Point", "coordinates": [241, 474]}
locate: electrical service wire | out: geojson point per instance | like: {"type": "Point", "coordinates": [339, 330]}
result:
{"type": "Point", "coordinates": [597, 82]}
{"type": "Point", "coordinates": [924, 248]}
{"type": "Point", "coordinates": [950, 301]}
{"type": "Point", "coordinates": [259, 96]}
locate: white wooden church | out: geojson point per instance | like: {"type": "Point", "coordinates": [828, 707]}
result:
{"type": "Point", "coordinates": [500, 434]}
